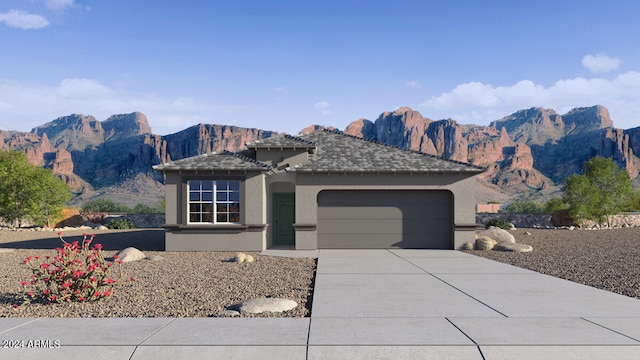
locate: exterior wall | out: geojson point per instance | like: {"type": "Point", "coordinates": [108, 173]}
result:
{"type": "Point", "coordinates": [309, 185]}
{"type": "Point", "coordinates": [250, 235]}
{"type": "Point", "coordinates": [274, 157]}
{"type": "Point", "coordinates": [488, 208]}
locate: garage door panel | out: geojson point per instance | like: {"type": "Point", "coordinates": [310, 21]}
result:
{"type": "Point", "coordinates": [351, 226]}
{"type": "Point", "coordinates": [385, 219]}
{"type": "Point", "coordinates": [358, 212]}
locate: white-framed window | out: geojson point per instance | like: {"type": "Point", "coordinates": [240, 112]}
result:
{"type": "Point", "coordinates": [214, 201]}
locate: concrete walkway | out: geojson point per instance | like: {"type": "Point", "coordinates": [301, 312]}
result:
{"type": "Point", "coordinates": [374, 304]}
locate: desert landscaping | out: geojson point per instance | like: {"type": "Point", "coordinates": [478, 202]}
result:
{"type": "Point", "coordinates": [167, 284]}
{"type": "Point", "coordinates": [205, 284]}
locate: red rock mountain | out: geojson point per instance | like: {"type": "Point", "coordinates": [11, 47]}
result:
{"type": "Point", "coordinates": [526, 153]}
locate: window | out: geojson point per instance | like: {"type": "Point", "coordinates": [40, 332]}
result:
{"type": "Point", "coordinates": [214, 201]}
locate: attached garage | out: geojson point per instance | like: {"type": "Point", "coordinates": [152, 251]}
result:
{"type": "Point", "coordinates": [381, 219]}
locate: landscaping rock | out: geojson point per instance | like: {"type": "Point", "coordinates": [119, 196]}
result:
{"type": "Point", "coordinates": [257, 306]}
{"type": "Point", "coordinates": [497, 234]}
{"type": "Point", "coordinates": [154, 258]}
{"type": "Point", "coordinates": [229, 313]}
{"type": "Point", "coordinates": [513, 247]}
{"type": "Point", "coordinates": [249, 259]}
{"type": "Point", "coordinates": [130, 254]}
{"type": "Point", "coordinates": [240, 257]}
{"type": "Point", "coordinates": [469, 245]}
{"type": "Point", "coordinates": [485, 243]}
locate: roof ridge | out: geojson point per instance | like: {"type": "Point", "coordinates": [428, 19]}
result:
{"type": "Point", "coordinates": [342, 133]}
{"type": "Point", "coordinates": [286, 136]}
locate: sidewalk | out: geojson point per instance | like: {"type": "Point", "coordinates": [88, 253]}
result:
{"type": "Point", "coordinates": [374, 304]}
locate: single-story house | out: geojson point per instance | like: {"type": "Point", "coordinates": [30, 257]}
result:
{"type": "Point", "coordinates": [320, 190]}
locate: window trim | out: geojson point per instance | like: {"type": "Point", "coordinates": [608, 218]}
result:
{"type": "Point", "coordinates": [214, 191]}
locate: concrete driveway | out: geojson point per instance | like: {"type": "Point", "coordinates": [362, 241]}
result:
{"type": "Point", "coordinates": [374, 304]}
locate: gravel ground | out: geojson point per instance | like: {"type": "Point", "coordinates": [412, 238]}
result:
{"type": "Point", "coordinates": [183, 284]}
{"type": "Point", "coordinates": [604, 259]}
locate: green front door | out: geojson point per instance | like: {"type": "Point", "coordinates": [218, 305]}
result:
{"type": "Point", "coordinates": [284, 215]}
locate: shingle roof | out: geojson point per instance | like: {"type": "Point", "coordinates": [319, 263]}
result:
{"type": "Point", "coordinates": [219, 160]}
{"type": "Point", "coordinates": [283, 142]}
{"type": "Point", "coordinates": [334, 151]}
{"type": "Point", "coordinates": [339, 152]}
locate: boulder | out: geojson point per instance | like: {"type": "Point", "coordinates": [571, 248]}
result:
{"type": "Point", "coordinates": [249, 259]}
{"type": "Point", "coordinates": [497, 234]}
{"type": "Point", "coordinates": [130, 254]}
{"type": "Point", "coordinates": [485, 243]}
{"type": "Point", "coordinates": [513, 247]}
{"type": "Point", "coordinates": [561, 218]}
{"type": "Point", "coordinates": [260, 305]}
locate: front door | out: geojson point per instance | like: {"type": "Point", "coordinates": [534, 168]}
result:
{"type": "Point", "coordinates": [284, 215]}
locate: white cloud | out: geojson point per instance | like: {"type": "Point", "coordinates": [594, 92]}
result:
{"type": "Point", "coordinates": [413, 84]}
{"type": "Point", "coordinates": [601, 63]}
{"type": "Point", "coordinates": [23, 20]}
{"type": "Point", "coordinates": [25, 106]}
{"type": "Point", "coordinates": [480, 103]}
{"type": "Point", "coordinates": [324, 107]}
{"type": "Point", "coordinates": [59, 4]}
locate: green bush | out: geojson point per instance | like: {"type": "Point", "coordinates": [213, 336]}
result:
{"type": "Point", "coordinates": [501, 223]}
{"type": "Point", "coordinates": [555, 204]}
{"type": "Point", "coordinates": [122, 224]}
{"type": "Point", "coordinates": [525, 206]}
{"type": "Point", "coordinates": [146, 209]}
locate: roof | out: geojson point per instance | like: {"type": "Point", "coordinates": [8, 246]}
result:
{"type": "Point", "coordinates": [219, 160]}
{"type": "Point", "coordinates": [333, 151]}
{"type": "Point", "coordinates": [282, 142]}
{"type": "Point", "coordinates": [340, 152]}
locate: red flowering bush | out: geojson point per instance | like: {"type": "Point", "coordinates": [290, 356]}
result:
{"type": "Point", "coordinates": [76, 273]}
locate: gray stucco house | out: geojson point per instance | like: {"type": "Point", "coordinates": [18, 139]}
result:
{"type": "Point", "coordinates": [319, 190]}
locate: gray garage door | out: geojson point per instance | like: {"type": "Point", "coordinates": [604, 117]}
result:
{"type": "Point", "coordinates": [381, 219]}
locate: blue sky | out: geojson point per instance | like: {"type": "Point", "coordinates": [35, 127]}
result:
{"type": "Point", "coordinates": [283, 65]}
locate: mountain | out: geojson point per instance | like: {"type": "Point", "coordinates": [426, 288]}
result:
{"type": "Point", "coordinates": [114, 157]}
{"type": "Point", "coordinates": [527, 154]}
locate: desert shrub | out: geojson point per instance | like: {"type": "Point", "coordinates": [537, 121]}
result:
{"type": "Point", "coordinates": [146, 209]}
{"type": "Point", "coordinates": [122, 224]}
{"type": "Point", "coordinates": [555, 204]}
{"type": "Point", "coordinates": [500, 223]}
{"type": "Point", "coordinates": [77, 273]}
{"type": "Point", "coordinates": [525, 207]}
{"type": "Point", "coordinates": [104, 206]}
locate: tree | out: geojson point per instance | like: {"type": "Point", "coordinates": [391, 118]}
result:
{"type": "Point", "coordinates": [555, 204]}
{"type": "Point", "coordinates": [602, 190]}
{"type": "Point", "coordinates": [28, 191]}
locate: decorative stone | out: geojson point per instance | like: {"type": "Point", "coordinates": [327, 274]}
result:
{"type": "Point", "coordinates": [469, 245]}
{"type": "Point", "coordinates": [249, 259]}
{"type": "Point", "coordinates": [497, 234]}
{"type": "Point", "coordinates": [240, 257]}
{"type": "Point", "coordinates": [229, 313]}
{"type": "Point", "coordinates": [527, 233]}
{"type": "Point", "coordinates": [513, 247]}
{"type": "Point", "coordinates": [130, 254]}
{"type": "Point", "coordinates": [485, 243]}
{"type": "Point", "coordinates": [260, 305]}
